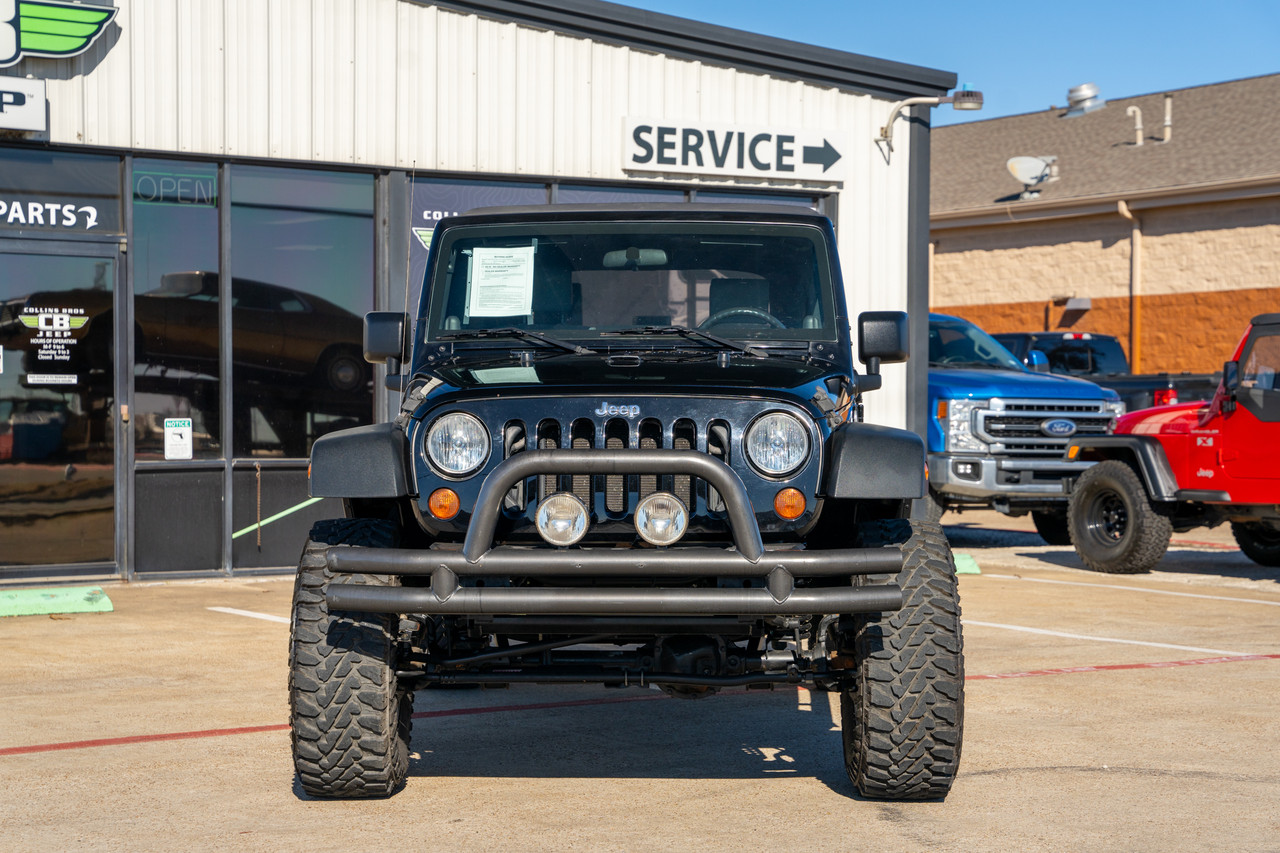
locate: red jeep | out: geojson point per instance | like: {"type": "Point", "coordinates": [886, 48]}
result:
{"type": "Point", "coordinates": [1185, 466]}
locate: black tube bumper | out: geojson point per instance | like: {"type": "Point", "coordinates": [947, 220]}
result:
{"type": "Point", "coordinates": [778, 570]}
{"type": "Point", "coordinates": [573, 601]}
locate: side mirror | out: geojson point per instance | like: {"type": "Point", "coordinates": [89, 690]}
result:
{"type": "Point", "coordinates": [1037, 361]}
{"type": "Point", "coordinates": [384, 338]}
{"type": "Point", "coordinates": [1231, 376]}
{"type": "Point", "coordinates": [882, 337]}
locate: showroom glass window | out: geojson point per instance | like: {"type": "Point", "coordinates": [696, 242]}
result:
{"type": "Point", "coordinates": [302, 266]}
{"type": "Point", "coordinates": [175, 305]}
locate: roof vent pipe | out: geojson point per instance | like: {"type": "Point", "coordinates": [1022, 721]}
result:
{"type": "Point", "coordinates": [1137, 123]}
{"type": "Point", "coordinates": [1083, 99]}
{"type": "Point", "coordinates": [1168, 116]}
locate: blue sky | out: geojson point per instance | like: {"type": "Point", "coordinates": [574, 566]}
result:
{"type": "Point", "coordinates": [1025, 56]}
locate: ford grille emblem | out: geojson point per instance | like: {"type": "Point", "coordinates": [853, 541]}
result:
{"type": "Point", "coordinates": [1058, 428]}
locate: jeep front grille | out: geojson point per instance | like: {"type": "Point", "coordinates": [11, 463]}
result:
{"type": "Point", "coordinates": [618, 434]}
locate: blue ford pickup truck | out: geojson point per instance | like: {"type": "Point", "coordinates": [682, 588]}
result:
{"type": "Point", "coordinates": [997, 431]}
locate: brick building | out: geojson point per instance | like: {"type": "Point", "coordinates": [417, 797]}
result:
{"type": "Point", "coordinates": [1159, 217]}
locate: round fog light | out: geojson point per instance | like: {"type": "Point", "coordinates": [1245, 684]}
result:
{"type": "Point", "coordinates": [562, 519]}
{"type": "Point", "coordinates": [661, 519]}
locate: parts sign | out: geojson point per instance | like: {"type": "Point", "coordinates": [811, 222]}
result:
{"type": "Point", "coordinates": [722, 149]}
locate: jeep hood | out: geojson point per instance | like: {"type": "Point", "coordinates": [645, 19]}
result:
{"type": "Point", "coordinates": [647, 371]}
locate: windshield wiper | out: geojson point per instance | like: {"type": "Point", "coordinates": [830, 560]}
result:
{"type": "Point", "coordinates": [522, 334]}
{"type": "Point", "coordinates": [695, 335]}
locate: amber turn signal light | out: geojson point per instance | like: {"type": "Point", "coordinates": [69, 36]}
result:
{"type": "Point", "coordinates": [444, 504]}
{"type": "Point", "coordinates": [789, 504]}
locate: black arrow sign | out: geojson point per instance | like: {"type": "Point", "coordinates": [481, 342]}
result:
{"type": "Point", "coordinates": [826, 155]}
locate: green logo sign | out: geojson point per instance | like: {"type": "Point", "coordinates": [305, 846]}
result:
{"type": "Point", "coordinates": [50, 28]}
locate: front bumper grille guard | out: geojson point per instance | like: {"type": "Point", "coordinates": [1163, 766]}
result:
{"type": "Point", "coordinates": [748, 559]}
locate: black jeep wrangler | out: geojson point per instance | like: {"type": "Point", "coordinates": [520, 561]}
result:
{"type": "Point", "coordinates": [630, 452]}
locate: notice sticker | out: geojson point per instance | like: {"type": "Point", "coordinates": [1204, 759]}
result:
{"type": "Point", "coordinates": [501, 282]}
{"type": "Point", "coordinates": [51, 378]}
{"type": "Point", "coordinates": [177, 438]}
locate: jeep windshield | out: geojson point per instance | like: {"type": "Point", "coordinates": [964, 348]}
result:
{"type": "Point", "coordinates": [632, 284]}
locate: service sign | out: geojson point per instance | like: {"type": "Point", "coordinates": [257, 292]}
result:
{"type": "Point", "coordinates": [703, 148]}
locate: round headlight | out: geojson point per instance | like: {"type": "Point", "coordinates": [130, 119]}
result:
{"type": "Point", "coordinates": [777, 444]}
{"type": "Point", "coordinates": [458, 443]}
{"type": "Point", "coordinates": [661, 519]}
{"type": "Point", "coordinates": [562, 519]}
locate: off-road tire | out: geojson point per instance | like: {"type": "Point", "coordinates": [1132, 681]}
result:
{"type": "Point", "coordinates": [1112, 523]}
{"type": "Point", "coordinates": [903, 714]}
{"type": "Point", "coordinates": [1259, 542]}
{"type": "Point", "coordinates": [349, 715]}
{"type": "Point", "coordinates": [1052, 526]}
{"type": "Point", "coordinates": [934, 506]}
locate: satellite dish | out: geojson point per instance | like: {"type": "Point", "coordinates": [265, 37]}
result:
{"type": "Point", "coordinates": [1033, 171]}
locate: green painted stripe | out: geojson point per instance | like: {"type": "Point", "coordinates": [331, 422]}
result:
{"type": "Point", "coordinates": [41, 602]}
{"type": "Point", "coordinates": [31, 26]}
{"type": "Point", "coordinates": [90, 14]}
{"type": "Point", "coordinates": [966, 565]}
{"type": "Point", "coordinates": [279, 515]}
{"type": "Point", "coordinates": [39, 42]}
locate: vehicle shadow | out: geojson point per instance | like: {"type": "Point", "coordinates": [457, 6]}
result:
{"type": "Point", "coordinates": [970, 535]}
{"type": "Point", "coordinates": [553, 732]}
{"type": "Point", "coordinates": [1177, 561]}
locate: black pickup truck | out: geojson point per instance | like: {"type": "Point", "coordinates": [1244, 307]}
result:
{"type": "Point", "coordinates": [1101, 359]}
{"type": "Point", "coordinates": [630, 452]}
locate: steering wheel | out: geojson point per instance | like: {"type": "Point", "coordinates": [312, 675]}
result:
{"type": "Point", "coordinates": [721, 316]}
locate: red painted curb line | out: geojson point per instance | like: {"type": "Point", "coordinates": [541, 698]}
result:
{"type": "Point", "coordinates": [545, 706]}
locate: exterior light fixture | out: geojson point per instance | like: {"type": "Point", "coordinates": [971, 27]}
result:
{"type": "Point", "coordinates": [960, 99]}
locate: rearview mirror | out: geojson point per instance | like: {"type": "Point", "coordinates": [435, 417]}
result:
{"type": "Point", "coordinates": [882, 337]}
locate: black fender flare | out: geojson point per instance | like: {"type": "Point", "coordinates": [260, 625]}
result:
{"type": "Point", "coordinates": [872, 461]}
{"type": "Point", "coordinates": [362, 462]}
{"type": "Point", "coordinates": [1143, 452]}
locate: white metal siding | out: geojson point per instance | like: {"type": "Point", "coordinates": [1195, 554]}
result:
{"type": "Point", "coordinates": [400, 85]}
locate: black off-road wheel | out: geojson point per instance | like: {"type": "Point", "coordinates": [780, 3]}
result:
{"type": "Point", "coordinates": [934, 506]}
{"type": "Point", "coordinates": [1112, 523]}
{"type": "Point", "coordinates": [1259, 542]}
{"type": "Point", "coordinates": [349, 715]}
{"type": "Point", "coordinates": [903, 714]}
{"type": "Point", "coordinates": [1052, 526]}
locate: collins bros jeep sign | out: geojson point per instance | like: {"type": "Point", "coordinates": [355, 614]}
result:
{"type": "Point", "coordinates": [49, 28]}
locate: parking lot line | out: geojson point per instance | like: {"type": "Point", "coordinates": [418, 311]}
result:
{"type": "Point", "coordinates": [1072, 670]}
{"type": "Point", "coordinates": [1135, 589]}
{"type": "Point", "coordinates": [1091, 638]}
{"type": "Point", "coordinates": [251, 614]}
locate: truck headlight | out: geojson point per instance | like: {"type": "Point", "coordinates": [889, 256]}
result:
{"type": "Point", "coordinates": [777, 444]}
{"type": "Point", "coordinates": [457, 444]}
{"type": "Point", "coordinates": [956, 417]}
{"type": "Point", "coordinates": [1115, 407]}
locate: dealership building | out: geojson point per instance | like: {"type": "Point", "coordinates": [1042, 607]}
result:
{"type": "Point", "coordinates": [200, 200]}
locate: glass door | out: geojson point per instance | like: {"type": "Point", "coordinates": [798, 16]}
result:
{"type": "Point", "coordinates": [59, 412]}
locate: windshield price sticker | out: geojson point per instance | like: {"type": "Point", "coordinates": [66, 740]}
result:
{"type": "Point", "coordinates": [501, 282]}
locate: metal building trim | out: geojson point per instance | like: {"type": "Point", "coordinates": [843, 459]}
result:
{"type": "Point", "coordinates": [694, 40]}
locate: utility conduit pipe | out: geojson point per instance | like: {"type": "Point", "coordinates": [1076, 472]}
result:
{"type": "Point", "coordinates": [1135, 286]}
